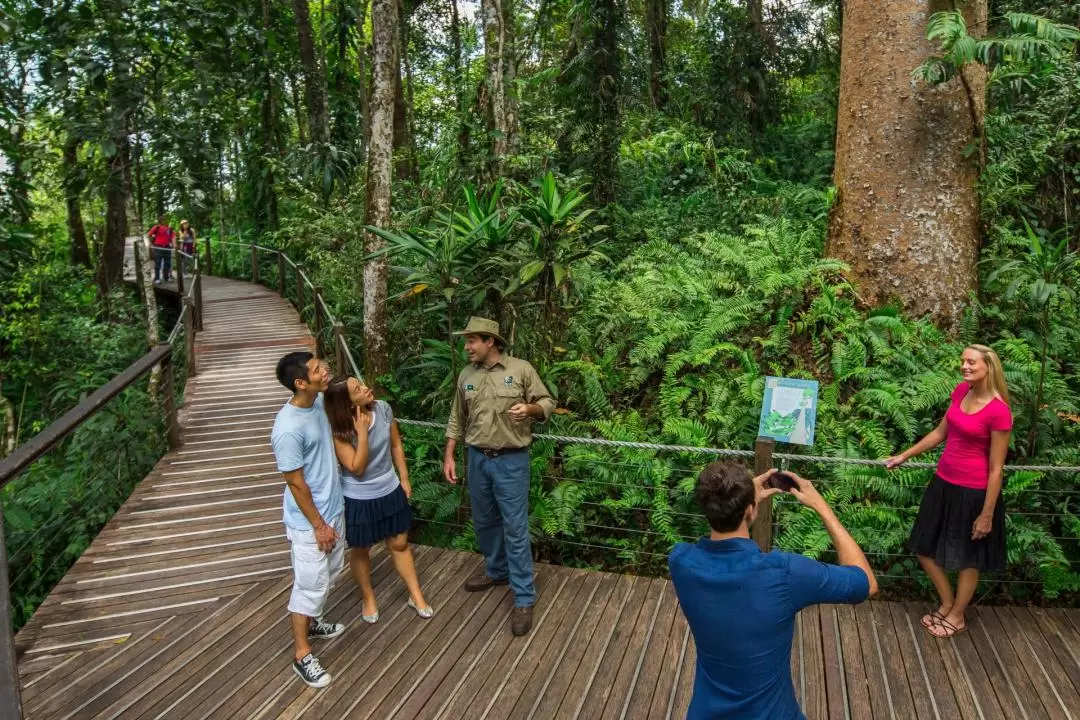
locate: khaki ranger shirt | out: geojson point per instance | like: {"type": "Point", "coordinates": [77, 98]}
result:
{"type": "Point", "coordinates": [483, 398]}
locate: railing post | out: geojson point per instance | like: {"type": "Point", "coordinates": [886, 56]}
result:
{"type": "Point", "coordinates": [300, 302]}
{"type": "Point", "coordinates": [198, 299]}
{"type": "Point", "coordinates": [179, 272]}
{"type": "Point", "coordinates": [316, 301]}
{"type": "Point", "coordinates": [138, 269]}
{"type": "Point", "coordinates": [209, 258]}
{"type": "Point", "coordinates": [254, 264]}
{"type": "Point", "coordinates": [281, 273]}
{"type": "Point", "coordinates": [763, 462]}
{"type": "Point", "coordinates": [10, 698]}
{"type": "Point", "coordinates": [339, 349]}
{"type": "Point", "coordinates": [172, 429]}
{"type": "Point", "coordinates": [189, 337]}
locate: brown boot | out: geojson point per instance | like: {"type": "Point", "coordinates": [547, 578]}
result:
{"type": "Point", "coordinates": [521, 620]}
{"type": "Point", "coordinates": [479, 583]}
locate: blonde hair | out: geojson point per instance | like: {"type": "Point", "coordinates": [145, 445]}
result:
{"type": "Point", "coordinates": [995, 375]}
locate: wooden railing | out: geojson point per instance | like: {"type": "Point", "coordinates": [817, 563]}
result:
{"type": "Point", "coordinates": [11, 467]}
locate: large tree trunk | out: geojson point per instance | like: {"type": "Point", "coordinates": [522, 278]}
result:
{"type": "Point", "coordinates": [457, 82]}
{"type": "Point", "coordinates": [607, 79]}
{"type": "Point", "coordinates": [501, 110]}
{"type": "Point", "coordinates": [361, 59]}
{"type": "Point", "coordinates": [297, 107]}
{"type": "Point", "coordinates": [656, 18]}
{"type": "Point", "coordinates": [116, 197]}
{"type": "Point", "coordinates": [144, 278]}
{"type": "Point", "coordinates": [906, 216]}
{"type": "Point", "coordinates": [407, 167]}
{"type": "Point", "coordinates": [267, 114]}
{"type": "Point", "coordinates": [380, 157]}
{"type": "Point", "coordinates": [759, 94]}
{"type": "Point", "coordinates": [314, 76]}
{"type": "Point", "coordinates": [73, 187]}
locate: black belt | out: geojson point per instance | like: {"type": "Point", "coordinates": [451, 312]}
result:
{"type": "Point", "coordinates": [496, 452]}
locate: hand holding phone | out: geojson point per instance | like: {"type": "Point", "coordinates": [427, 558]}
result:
{"type": "Point", "coordinates": [781, 481]}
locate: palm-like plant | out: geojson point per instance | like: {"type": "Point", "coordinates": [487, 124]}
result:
{"type": "Point", "coordinates": [1048, 274]}
{"type": "Point", "coordinates": [559, 237]}
{"type": "Point", "coordinates": [442, 261]}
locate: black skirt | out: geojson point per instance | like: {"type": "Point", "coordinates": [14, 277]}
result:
{"type": "Point", "coordinates": [369, 521]}
{"type": "Point", "coordinates": [943, 528]}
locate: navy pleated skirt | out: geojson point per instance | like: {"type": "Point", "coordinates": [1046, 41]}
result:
{"type": "Point", "coordinates": [943, 528]}
{"type": "Point", "coordinates": [370, 521]}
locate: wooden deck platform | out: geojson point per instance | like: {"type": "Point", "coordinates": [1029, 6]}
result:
{"type": "Point", "coordinates": [170, 287]}
{"type": "Point", "coordinates": [177, 609]}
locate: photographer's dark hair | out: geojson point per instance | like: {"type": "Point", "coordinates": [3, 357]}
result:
{"type": "Point", "coordinates": [724, 490]}
{"type": "Point", "coordinates": [293, 367]}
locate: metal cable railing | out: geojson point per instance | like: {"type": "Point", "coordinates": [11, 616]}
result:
{"type": "Point", "coordinates": [306, 292]}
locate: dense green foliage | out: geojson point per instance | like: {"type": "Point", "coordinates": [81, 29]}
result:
{"type": "Point", "coordinates": [655, 251]}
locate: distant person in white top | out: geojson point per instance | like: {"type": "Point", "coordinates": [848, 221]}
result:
{"type": "Point", "coordinates": [375, 480]}
{"type": "Point", "coordinates": [314, 507]}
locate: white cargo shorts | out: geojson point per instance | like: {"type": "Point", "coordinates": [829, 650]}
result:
{"type": "Point", "coordinates": [314, 570]}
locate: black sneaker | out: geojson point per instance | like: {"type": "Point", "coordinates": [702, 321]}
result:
{"type": "Point", "coordinates": [311, 671]}
{"type": "Point", "coordinates": [320, 630]}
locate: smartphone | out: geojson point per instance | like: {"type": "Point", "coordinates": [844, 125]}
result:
{"type": "Point", "coordinates": [780, 481]}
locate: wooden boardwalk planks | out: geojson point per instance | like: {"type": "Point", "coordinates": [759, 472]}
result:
{"type": "Point", "coordinates": [177, 610]}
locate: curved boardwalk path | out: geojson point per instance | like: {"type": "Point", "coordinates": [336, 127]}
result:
{"type": "Point", "coordinates": [178, 607]}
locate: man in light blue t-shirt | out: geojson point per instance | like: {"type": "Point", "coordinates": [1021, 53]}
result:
{"type": "Point", "coordinates": [313, 503]}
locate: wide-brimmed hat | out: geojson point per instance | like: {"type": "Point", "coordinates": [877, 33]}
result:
{"type": "Point", "coordinates": [483, 326]}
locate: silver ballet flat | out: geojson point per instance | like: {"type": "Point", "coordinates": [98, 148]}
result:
{"type": "Point", "coordinates": [425, 612]}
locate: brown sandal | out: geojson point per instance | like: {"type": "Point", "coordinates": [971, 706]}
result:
{"type": "Point", "coordinates": [952, 630]}
{"type": "Point", "coordinates": [934, 615]}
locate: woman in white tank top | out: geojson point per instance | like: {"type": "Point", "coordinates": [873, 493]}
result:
{"type": "Point", "coordinates": [375, 482]}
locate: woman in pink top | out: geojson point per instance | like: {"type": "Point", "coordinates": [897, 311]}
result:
{"type": "Point", "coordinates": [961, 521]}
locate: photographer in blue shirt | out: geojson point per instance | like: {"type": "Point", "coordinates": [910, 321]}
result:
{"type": "Point", "coordinates": [741, 603]}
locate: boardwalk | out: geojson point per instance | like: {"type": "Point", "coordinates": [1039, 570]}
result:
{"type": "Point", "coordinates": [129, 264]}
{"type": "Point", "coordinates": [178, 607]}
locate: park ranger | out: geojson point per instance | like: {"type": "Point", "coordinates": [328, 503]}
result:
{"type": "Point", "coordinates": [496, 400]}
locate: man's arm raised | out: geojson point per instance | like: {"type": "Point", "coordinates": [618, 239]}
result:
{"type": "Point", "coordinates": [848, 551]}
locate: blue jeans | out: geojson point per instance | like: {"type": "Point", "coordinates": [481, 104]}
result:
{"type": "Point", "coordinates": [162, 263]}
{"type": "Point", "coordinates": [499, 492]}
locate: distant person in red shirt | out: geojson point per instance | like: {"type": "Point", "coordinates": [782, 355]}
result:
{"type": "Point", "coordinates": [161, 246]}
{"type": "Point", "coordinates": [961, 521]}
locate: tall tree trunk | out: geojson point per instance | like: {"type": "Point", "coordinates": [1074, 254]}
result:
{"type": "Point", "coordinates": [140, 198]}
{"type": "Point", "coordinates": [656, 19]}
{"type": "Point", "coordinates": [758, 91]}
{"type": "Point", "coordinates": [267, 114]}
{"type": "Point", "coordinates": [297, 107]}
{"type": "Point", "coordinates": [314, 75]}
{"type": "Point", "coordinates": [362, 62]}
{"type": "Point", "coordinates": [116, 197]}
{"type": "Point", "coordinates": [906, 217]}
{"type": "Point", "coordinates": [19, 192]}
{"type": "Point", "coordinates": [404, 139]}
{"type": "Point", "coordinates": [607, 79]}
{"type": "Point", "coordinates": [377, 210]}
{"type": "Point", "coordinates": [501, 110]}
{"type": "Point", "coordinates": [343, 109]}
{"type": "Point", "coordinates": [73, 187]}
{"type": "Point", "coordinates": [144, 278]}
{"type": "Point", "coordinates": [457, 81]}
